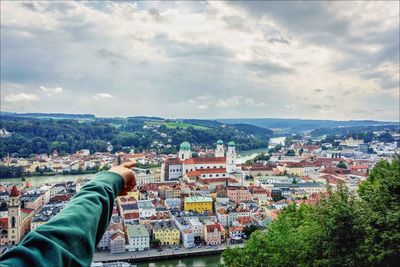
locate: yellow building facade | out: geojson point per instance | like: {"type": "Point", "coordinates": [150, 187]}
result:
{"type": "Point", "coordinates": [135, 194]}
{"type": "Point", "coordinates": [167, 233]}
{"type": "Point", "coordinates": [198, 203]}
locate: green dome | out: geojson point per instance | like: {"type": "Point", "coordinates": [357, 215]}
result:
{"type": "Point", "coordinates": [231, 143]}
{"type": "Point", "coordinates": [185, 146]}
{"type": "Point", "coordinates": [220, 142]}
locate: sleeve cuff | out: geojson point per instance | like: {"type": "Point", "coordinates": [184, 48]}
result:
{"type": "Point", "coordinates": [111, 179]}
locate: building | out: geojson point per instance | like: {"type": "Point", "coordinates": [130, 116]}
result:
{"type": "Point", "coordinates": [294, 168]}
{"type": "Point", "coordinates": [235, 232]}
{"type": "Point", "coordinates": [213, 234]}
{"type": "Point", "coordinates": [117, 243]}
{"type": "Point", "coordinates": [187, 238]}
{"type": "Point", "coordinates": [146, 178]}
{"type": "Point", "coordinates": [47, 212]}
{"type": "Point", "coordinates": [239, 194]}
{"type": "Point", "coordinates": [175, 168]}
{"type": "Point", "coordinates": [146, 209]}
{"type": "Point", "coordinates": [138, 238]}
{"type": "Point", "coordinates": [32, 201]}
{"type": "Point", "coordinates": [193, 224]}
{"type": "Point", "coordinates": [166, 232]}
{"type": "Point", "coordinates": [14, 217]}
{"type": "Point", "coordinates": [114, 227]}
{"type": "Point", "coordinates": [18, 220]}
{"type": "Point", "coordinates": [198, 203]}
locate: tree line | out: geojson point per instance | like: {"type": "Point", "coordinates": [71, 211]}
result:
{"type": "Point", "coordinates": [37, 136]}
{"type": "Point", "coordinates": [343, 229]}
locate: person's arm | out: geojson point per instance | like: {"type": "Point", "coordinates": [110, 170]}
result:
{"type": "Point", "coordinates": [69, 238]}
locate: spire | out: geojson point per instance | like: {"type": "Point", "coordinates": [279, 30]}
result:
{"type": "Point", "coordinates": [14, 192]}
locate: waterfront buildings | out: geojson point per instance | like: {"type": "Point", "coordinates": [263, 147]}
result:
{"type": "Point", "coordinates": [166, 232]}
{"type": "Point", "coordinates": [213, 234]}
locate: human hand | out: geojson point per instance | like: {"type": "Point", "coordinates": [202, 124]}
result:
{"type": "Point", "coordinates": [127, 174]}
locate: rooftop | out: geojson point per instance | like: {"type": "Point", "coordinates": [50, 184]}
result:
{"type": "Point", "coordinates": [198, 199]}
{"type": "Point", "coordinates": [137, 231]}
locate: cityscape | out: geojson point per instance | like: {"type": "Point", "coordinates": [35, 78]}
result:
{"type": "Point", "coordinates": [199, 133]}
{"type": "Point", "coordinates": [196, 201]}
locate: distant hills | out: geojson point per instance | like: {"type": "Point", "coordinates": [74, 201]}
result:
{"type": "Point", "coordinates": [299, 125]}
{"type": "Point", "coordinates": [255, 126]}
{"type": "Point", "coordinates": [47, 115]}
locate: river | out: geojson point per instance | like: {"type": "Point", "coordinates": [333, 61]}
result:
{"type": "Point", "coordinates": [39, 180]}
{"type": "Point", "coordinates": [197, 261]}
{"type": "Point", "coordinates": [249, 154]}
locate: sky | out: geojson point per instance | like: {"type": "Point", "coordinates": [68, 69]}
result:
{"type": "Point", "coordinates": [316, 60]}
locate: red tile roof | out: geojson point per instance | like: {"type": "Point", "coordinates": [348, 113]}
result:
{"type": "Point", "coordinates": [117, 235]}
{"type": "Point", "coordinates": [212, 227]}
{"type": "Point", "coordinates": [28, 211]}
{"type": "Point", "coordinates": [205, 160]}
{"type": "Point", "coordinates": [206, 171]}
{"type": "Point", "coordinates": [131, 216]}
{"type": "Point", "coordinates": [14, 192]}
{"type": "Point", "coordinates": [235, 228]}
{"type": "Point", "coordinates": [3, 223]}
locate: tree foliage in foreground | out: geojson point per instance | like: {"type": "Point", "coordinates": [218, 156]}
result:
{"type": "Point", "coordinates": [342, 230]}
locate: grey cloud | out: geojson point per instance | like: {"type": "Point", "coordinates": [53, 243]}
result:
{"type": "Point", "coordinates": [269, 68]}
{"type": "Point", "coordinates": [320, 24]}
{"type": "Point", "coordinates": [384, 80]}
{"type": "Point", "coordinates": [296, 15]}
{"type": "Point", "coordinates": [180, 49]}
{"type": "Point", "coordinates": [316, 106]}
{"type": "Point", "coordinates": [330, 97]}
{"type": "Point", "coordinates": [280, 39]}
{"type": "Point", "coordinates": [105, 53]}
{"type": "Point", "coordinates": [156, 15]}
{"type": "Point", "coordinates": [236, 22]}
{"type": "Point", "coordinates": [360, 111]}
{"type": "Point", "coordinates": [29, 5]}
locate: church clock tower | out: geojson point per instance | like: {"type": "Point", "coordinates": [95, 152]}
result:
{"type": "Point", "coordinates": [14, 215]}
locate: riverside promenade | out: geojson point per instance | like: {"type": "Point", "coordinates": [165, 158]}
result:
{"type": "Point", "coordinates": [138, 256]}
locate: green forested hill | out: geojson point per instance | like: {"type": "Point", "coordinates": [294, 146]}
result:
{"type": "Point", "coordinates": [34, 136]}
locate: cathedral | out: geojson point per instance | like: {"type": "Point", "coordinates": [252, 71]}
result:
{"type": "Point", "coordinates": [220, 166]}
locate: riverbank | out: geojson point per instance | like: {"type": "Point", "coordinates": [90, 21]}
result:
{"type": "Point", "coordinates": [54, 179]}
{"type": "Point", "coordinates": [154, 255]}
{"type": "Point", "coordinates": [192, 261]}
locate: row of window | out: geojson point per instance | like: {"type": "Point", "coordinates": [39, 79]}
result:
{"type": "Point", "coordinates": [210, 175]}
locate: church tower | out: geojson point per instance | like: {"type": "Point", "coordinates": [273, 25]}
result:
{"type": "Point", "coordinates": [184, 151]}
{"type": "Point", "coordinates": [219, 151]}
{"type": "Point", "coordinates": [231, 158]}
{"type": "Point", "coordinates": [14, 216]}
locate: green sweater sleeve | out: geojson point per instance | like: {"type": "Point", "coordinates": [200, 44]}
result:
{"type": "Point", "coordinates": [70, 237]}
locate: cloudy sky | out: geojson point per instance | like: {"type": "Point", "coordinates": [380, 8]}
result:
{"type": "Point", "coordinates": [329, 60]}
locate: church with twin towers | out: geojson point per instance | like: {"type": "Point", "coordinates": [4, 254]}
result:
{"type": "Point", "coordinates": [185, 165]}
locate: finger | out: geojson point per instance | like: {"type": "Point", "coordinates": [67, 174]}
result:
{"type": "Point", "coordinates": [129, 164]}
